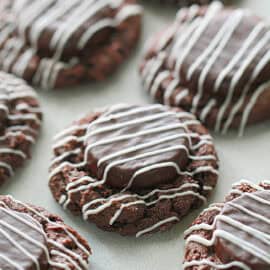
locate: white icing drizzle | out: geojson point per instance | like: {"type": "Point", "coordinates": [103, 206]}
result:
{"type": "Point", "coordinates": [13, 152]}
{"type": "Point", "coordinates": [8, 167]}
{"type": "Point", "coordinates": [157, 225]}
{"type": "Point", "coordinates": [14, 89]}
{"type": "Point", "coordinates": [250, 106]}
{"type": "Point", "coordinates": [20, 247]}
{"type": "Point", "coordinates": [23, 235]}
{"type": "Point", "coordinates": [248, 183]}
{"type": "Point", "coordinates": [236, 240]}
{"type": "Point", "coordinates": [70, 130]}
{"type": "Point", "coordinates": [180, 96]}
{"type": "Point", "coordinates": [12, 263]}
{"type": "Point", "coordinates": [266, 182]}
{"type": "Point", "coordinates": [211, 12]}
{"type": "Point", "coordinates": [238, 75]}
{"type": "Point", "coordinates": [37, 17]}
{"type": "Point", "coordinates": [152, 69]}
{"type": "Point", "coordinates": [162, 76]}
{"type": "Point", "coordinates": [216, 47]}
{"type": "Point", "coordinates": [183, 36]}
{"type": "Point", "coordinates": [207, 109]}
{"type": "Point", "coordinates": [112, 199]}
{"type": "Point", "coordinates": [118, 213]}
{"type": "Point", "coordinates": [123, 198]}
{"type": "Point", "coordinates": [61, 251]}
{"type": "Point", "coordinates": [224, 32]}
{"type": "Point", "coordinates": [169, 91]}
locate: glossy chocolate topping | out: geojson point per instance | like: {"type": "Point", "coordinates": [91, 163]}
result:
{"type": "Point", "coordinates": [22, 242]}
{"type": "Point", "coordinates": [64, 30]}
{"type": "Point", "coordinates": [137, 146]}
{"type": "Point", "coordinates": [214, 62]}
{"type": "Point", "coordinates": [243, 231]}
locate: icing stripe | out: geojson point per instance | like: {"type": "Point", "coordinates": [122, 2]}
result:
{"type": "Point", "coordinates": [235, 239]}
{"type": "Point", "coordinates": [222, 37]}
{"type": "Point", "coordinates": [157, 225]}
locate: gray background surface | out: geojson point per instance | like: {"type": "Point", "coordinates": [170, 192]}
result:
{"type": "Point", "coordinates": [246, 157]}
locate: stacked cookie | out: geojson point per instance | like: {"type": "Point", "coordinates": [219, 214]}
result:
{"type": "Point", "coordinates": [54, 44]}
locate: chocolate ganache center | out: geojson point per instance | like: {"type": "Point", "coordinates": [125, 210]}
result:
{"type": "Point", "coordinates": [23, 243]}
{"type": "Point", "coordinates": [137, 146]}
{"type": "Point", "coordinates": [243, 231]}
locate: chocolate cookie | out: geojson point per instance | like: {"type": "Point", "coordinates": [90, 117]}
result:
{"type": "Point", "coordinates": [32, 238]}
{"type": "Point", "coordinates": [55, 45]}
{"type": "Point", "coordinates": [20, 119]}
{"type": "Point", "coordinates": [232, 235]}
{"type": "Point", "coordinates": [134, 169]}
{"type": "Point", "coordinates": [214, 62]}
